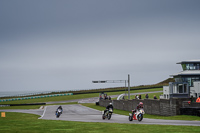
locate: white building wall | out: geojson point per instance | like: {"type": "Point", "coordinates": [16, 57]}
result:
{"type": "Point", "coordinates": [165, 92]}
{"type": "Point", "coordinates": [195, 91]}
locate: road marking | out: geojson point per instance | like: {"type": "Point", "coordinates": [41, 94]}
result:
{"type": "Point", "coordinates": [43, 113]}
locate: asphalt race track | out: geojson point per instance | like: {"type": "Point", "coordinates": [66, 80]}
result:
{"type": "Point", "coordinates": [76, 112]}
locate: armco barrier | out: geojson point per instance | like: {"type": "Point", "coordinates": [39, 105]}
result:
{"type": "Point", "coordinates": [25, 98]}
{"type": "Point", "coordinates": [5, 105]}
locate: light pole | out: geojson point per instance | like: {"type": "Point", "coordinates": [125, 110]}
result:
{"type": "Point", "coordinates": [128, 87]}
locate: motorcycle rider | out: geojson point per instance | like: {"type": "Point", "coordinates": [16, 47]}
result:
{"type": "Point", "coordinates": [60, 107]}
{"type": "Point", "coordinates": [108, 107]}
{"type": "Point", "coordinates": [140, 105]}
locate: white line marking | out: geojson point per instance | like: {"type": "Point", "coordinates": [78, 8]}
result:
{"type": "Point", "coordinates": [43, 112]}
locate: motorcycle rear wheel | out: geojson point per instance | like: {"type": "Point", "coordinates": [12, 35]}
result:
{"type": "Point", "coordinates": [130, 118]}
{"type": "Point", "coordinates": [103, 117]}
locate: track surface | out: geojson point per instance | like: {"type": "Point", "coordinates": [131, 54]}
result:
{"type": "Point", "coordinates": [76, 112]}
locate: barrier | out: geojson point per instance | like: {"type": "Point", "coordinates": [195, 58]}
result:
{"type": "Point", "coordinates": [190, 111]}
{"type": "Point", "coordinates": [163, 107]}
{"type": "Point", "coordinates": [25, 98]}
{"type": "Point", "coordinates": [26, 104]}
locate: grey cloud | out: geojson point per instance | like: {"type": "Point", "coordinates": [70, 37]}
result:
{"type": "Point", "coordinates": [67, 44]}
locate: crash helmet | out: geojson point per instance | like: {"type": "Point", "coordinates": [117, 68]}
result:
{"type": "Point", "coordinates": [141, 104]}
{"type": "Point", "coordinates": [110, 103]}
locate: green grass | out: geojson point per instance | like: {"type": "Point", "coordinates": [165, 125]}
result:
{"type": "Point", "coordinates": [72, 97]}
{"type": "Point", "coordinates": [29, 123]}
{"type": "Point", "coordinates": [34, 106]}
{"type": "Point", "coordinates": [135, 91]}
{"type": "Point", "coordinates": [64, 98]}
{"type": "Point", "coordinates": [51, 99]}
{"type": "Point", "coordinates": [151, 95]}
{"type": "Point", "coordinates": [22, 107]}
{"type": "Point", "coordinates": [122, 112]}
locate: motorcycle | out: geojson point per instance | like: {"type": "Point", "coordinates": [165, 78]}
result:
{"type": "Point", "coordinates": [138, 115]}
{"type": "Point", "coordinates": [107, 114]}
{"type": "Point", "coordinates": [58, 113]}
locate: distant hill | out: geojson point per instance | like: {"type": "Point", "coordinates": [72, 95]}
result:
{"type": "Point", "coordinates": [114, 89]}
{"type": "Point", "coordinates": [158, 85]}
{"type": "Point", "coordinates": [166, 82]}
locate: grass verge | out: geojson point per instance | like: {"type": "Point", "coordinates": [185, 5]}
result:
{"type": "Point", "coordinates": [34, 106]}
{"type": "Point", "coordinates": [23, 123]}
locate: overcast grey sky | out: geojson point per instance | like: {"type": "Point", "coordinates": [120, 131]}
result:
{"type": "Point", "coordinates": [65, 44]}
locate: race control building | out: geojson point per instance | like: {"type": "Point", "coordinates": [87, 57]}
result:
{"type": "Point", "coordinates": [187, 82]}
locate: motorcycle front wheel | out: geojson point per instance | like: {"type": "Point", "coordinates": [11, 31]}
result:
{"type": "Point", "coordinates": [57, 115]}
{"type": "Point", "coordinates": [140, 117]}
{"type": "Point", "coordinates": [109, 116]}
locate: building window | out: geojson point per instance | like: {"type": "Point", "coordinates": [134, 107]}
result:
{"type": "Point", "coordinates": [187, 66]}
{"type": "Point", "coordinates": [198, 66]}
{"type": "Point", "coordinates": [191, 66]}
{"type": "Point", "coordinates": [185, 88]}
{"type": "Point", "coordinates": [184, 66]}
{"type": "Point", "coordinates": [180, 88]}
{"type": "Point", "coordinates": [188, 80]}
{"type": "Point", "coordinates": [178, 79]}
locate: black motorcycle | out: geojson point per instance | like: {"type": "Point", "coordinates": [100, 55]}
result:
{"type": "Point", "coordinates": [107, 114]}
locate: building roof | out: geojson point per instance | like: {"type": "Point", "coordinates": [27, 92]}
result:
{"type": "Point", "coordinates": [189, 61]}
{"type": "Point", "coordinates": [187, 73]}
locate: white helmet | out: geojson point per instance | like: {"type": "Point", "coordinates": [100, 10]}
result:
{"type": "Point", "coordinates": [110, 103]}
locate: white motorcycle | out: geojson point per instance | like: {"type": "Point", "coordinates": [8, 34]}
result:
{"type": "Point", "coordinates": [138, 115]}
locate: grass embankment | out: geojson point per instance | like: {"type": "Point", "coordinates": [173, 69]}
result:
{"type": "Point", "coordinates": [72, 97]}
{"type": "Point", "coordinates": [23, 123]}
{"type": "Point", "coordinates": [65, 98]}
